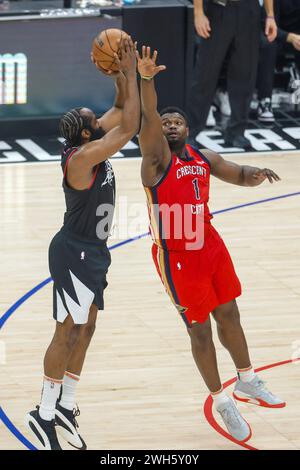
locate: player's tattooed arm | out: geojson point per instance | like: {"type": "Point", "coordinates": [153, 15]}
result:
{"type": "Point", "coordinates": [241, 175]}
{"type": "Point", "coordinates": [154, 146]}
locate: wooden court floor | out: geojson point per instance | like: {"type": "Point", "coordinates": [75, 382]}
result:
{"type": "Point", "coordinates": [140, 388]}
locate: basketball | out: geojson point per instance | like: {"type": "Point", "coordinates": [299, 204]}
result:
{"type": "Point", "coordinates": [105, 45]}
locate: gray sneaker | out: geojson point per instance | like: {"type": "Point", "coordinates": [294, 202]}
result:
{"type": "Point", "coordinates": [234, 422]}
{"type": "Point", "coordinates": [257, 393]}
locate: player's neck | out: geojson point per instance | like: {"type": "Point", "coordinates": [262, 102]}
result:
{"type": "Point", "coordinates": [179, 151]}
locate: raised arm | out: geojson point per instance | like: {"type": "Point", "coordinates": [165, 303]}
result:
{"type": "Point", "coordinates": [113, 116]}
{"type": "Point", "coordinates": [242, 175]}
{"type": "Point", "coordinates": [94, 152]}
{"type": "Point", "coordinates": [154, 146]}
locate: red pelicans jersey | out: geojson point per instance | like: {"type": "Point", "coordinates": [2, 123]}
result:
{"type": "Point", "coordinates": [178, 203]}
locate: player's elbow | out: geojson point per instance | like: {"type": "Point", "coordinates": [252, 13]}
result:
{"type": "Point", "coordinates": [130, 128]}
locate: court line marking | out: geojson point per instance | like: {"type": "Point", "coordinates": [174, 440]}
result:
{"type": "Point", "coordinates": [4, 418]}
{"type": "Point", "coordinates": [208, 405]}
{"type": "Point", "coordinates": [258, 153]}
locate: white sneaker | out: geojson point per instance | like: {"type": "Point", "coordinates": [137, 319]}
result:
{"type": "Point", "coordinates": [256, 392]}
{"type": "Point", "coordinates": [211, 122]}
{"type": "Point", "coordinates": [67, 426]}
{"type": "Point", "coordinates": [233, 420]}
{"type": "Point", "coordinates": [222, 101]}
{"type": "Point", "coordinates": [265, 111]}
{"type": "Point", "coordinates": [43, 431]}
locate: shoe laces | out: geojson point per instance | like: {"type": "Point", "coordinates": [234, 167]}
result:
{"type": "Point", "coordinates": [267, 105]}
{"type": "Point", "coordinates": [261, 386]}
{"type": "Point", "coordinates": [231, 415]}
{"type": "Point", "coordinates": [76, 412]}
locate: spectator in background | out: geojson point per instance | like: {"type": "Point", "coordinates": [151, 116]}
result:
{"type": "Point", "coordinates": [287, 14]}
{"type": "Point", "coordinates": [227, 26]}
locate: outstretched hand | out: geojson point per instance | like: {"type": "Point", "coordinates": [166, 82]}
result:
{"type": "Point", "coordinates": [147, 64]}
{"type": "Point", "coordinates": [261, 174]}
{"type": "Point", "coordinates": [126, 59]}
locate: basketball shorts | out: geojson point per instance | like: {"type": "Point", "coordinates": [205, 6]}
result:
{"type": "Point", "coordinates": [198, 281]}
{"type": "Point", "coordinates": [78, 268]}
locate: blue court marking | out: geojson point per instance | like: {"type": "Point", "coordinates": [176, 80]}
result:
{"type": "Point", "coordinates": [6, 421]}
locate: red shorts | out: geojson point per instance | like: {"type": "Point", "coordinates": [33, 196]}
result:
{"type": "Point", "coordinates": [198, 281]}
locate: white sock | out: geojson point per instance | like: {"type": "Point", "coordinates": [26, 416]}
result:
{"type": "Point", "coordinates": [246, 375]}
{"type": "Point", "coordinates": [68, 390]}
{"type": "Point", "coordinates": [50, 394]}
{"type": "Point", "coordinates": [219, 397]}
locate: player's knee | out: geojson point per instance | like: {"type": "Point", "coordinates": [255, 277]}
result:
{"type": "Point", "coordinates": [200, 338]}
{"type": "Point", "coordinates": [228, 317]}
{"type": "Point", "coordinates": [66, 337]}
{"type": "Point", "coordinates": [88, 330]}
{"type": "Point", "coordinates": [72, 336]}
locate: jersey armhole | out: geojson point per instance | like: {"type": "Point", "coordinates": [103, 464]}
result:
{"type": "Point", "coordinates": [65, 174]}
{"type": "Point", "coordinates": [94, 177]}
{"type": "Point", "coordinates": [165, 174]}
{"type": "Point", "coordinates": [67, 162]}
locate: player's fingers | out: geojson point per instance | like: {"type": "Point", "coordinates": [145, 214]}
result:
{"type": "Point", "coordinates": [268, 175]}
{"type": "Point", "coordinates": [275, 176]}
{"type": "Point", "coordinates": [131, 43]}
{"type": "Point", "coordinates": [160, 68]}
{"type": "Point", "coordinates": [123, 47]}
{"type": "Point", "coordinates": [144, 52]}
{"type": "Point", "coordinates": [137, 55]}
{"type": "Point", "coordinates": [148, 52]}
{"type": "Point", "coordinates": [154, 56]}
{"type": "Point", "coordinates": [117, 59]}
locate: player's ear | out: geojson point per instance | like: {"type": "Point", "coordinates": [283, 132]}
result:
{"type": "Point", "coordinates": [85, 134]}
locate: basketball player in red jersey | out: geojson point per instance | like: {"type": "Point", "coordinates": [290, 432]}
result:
{"type": "Point", "coordinates": [198, 273]}
{"type": "Point", "coordinates": [78, 255]}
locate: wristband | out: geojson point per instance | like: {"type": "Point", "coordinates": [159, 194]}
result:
{"type": "Point", "coordinates": [271, 17]}
{"type": "Point", "coordinates": [146, 78]}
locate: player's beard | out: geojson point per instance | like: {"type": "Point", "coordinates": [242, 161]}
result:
{"type": "Point", "coordinates": [176, 145]}
{"type": "Point", "coordinates": [96, 133]}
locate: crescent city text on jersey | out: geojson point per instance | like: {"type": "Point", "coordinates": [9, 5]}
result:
{"type": "Point", "coordinates": [190, 170]}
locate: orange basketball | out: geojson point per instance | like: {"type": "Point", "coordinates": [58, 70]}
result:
{"type": "Point", "coordinates": [105, 45]}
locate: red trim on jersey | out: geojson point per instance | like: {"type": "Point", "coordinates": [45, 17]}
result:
{"type": "Point", "coordinates": [68, 159]}
{"type": "Point", "coordinates": [94, 177]}
{"type": "Point", "coordinates": [67, 162]}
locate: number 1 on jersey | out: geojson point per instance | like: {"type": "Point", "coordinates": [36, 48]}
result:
{"type": "Point", "coordinates": [196, 187]}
